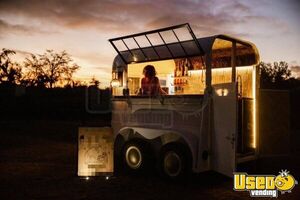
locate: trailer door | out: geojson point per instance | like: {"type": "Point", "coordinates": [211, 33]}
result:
{"type": "Point", "coordinates": [224, 128]}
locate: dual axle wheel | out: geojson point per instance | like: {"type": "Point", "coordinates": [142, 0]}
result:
{"type": "Point", "coordinates": [172, 161]}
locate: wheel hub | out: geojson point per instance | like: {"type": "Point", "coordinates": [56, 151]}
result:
{"type": "Point", "coordinates": [133, 157]}
{"type": "Point", "coordinates": [172, 164]}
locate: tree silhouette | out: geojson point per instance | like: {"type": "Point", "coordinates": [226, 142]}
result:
{"type": "Point", "coordinates": [50, 68]}
{"type": "Point", "coordinates": [275, 74]}
{"type": "Point", "coordinates": [95, 82]}
{"type": "Point", "coordinates": [35, 74]}
{"type": "Point", "coordinates": [10, 73]}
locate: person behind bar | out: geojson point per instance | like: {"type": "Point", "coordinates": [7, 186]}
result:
{"type": "Point", "coordinates": [150, 83]}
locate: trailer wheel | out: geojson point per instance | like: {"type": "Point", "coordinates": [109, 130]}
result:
{"type": "Point", "coordinates": [136, 156]}
{"type": "Point", "coordinates": [174, 162]}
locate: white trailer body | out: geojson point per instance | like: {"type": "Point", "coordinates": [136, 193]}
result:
{"type": "Point", "coordinates": [207, 120]}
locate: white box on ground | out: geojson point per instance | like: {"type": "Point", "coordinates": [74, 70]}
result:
{"type": "Point", "coordinates": [95, 151]}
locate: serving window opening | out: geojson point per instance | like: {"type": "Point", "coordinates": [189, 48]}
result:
{"type": "Point", "coordinates": [176, 77]}
{"type": "Point", "coordinates": [187, 77]}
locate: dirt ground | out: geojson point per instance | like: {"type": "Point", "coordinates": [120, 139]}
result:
{"type": "Point", "coordinates": [38, 160]}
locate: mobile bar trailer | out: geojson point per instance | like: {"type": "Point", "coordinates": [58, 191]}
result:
{"type": "Point", "coordinates": [207, 118]}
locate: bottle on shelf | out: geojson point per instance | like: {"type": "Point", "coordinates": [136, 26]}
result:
{"type": "Point", "coordinates": [179, 70]}
{"type": "Point", "coordinates": [186, 69]}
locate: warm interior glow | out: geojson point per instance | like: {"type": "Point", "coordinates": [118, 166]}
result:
{"type": "Point", "coordinates": [164, 70]}
{"type": "Point", "coordinates": [193, 83]}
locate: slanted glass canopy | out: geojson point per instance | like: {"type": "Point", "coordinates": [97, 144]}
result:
{"type": "Point", "coordinates": [161, 44]}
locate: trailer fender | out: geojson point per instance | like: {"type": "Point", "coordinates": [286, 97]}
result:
{"type": "Point", "coordinates": [157, 138]}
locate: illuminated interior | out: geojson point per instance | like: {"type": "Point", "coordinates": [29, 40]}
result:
{"type": "Point", "coordinates": [194, 80]}
{"type": "Point", "coordinates": [164, 71]}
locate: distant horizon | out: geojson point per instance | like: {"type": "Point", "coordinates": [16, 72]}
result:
{"type": "Point", "coordinates": [83, 28]}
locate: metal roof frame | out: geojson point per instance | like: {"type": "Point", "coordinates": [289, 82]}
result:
{"type": "Point", "coordinates": [130, 51]}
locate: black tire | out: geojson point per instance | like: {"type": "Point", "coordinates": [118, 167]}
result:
{"type": "Point", "coordinates": [118, 159]}
{"type": "Point", "coordinates": [174, 162]}
{"type": "Point", "coordinates": [136, 156]}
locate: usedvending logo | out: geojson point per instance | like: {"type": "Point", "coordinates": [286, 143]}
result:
{"type": "Point", "coordinates": [264, 185]}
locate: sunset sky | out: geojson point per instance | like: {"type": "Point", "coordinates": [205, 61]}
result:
{"type": "Point", "coordinates": [83, 27]}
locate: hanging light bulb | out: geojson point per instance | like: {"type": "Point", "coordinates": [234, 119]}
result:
{"type": "Point", "coordinates": [115, 82]}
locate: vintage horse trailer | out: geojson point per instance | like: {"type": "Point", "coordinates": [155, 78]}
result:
{"type": "Point", "coordinates": [207, 120]}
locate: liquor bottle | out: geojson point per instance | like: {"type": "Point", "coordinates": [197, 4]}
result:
{"type": "Point", "coordinates": [179, 70]}
{"type": "Point", "coordinates": [186, 69]}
